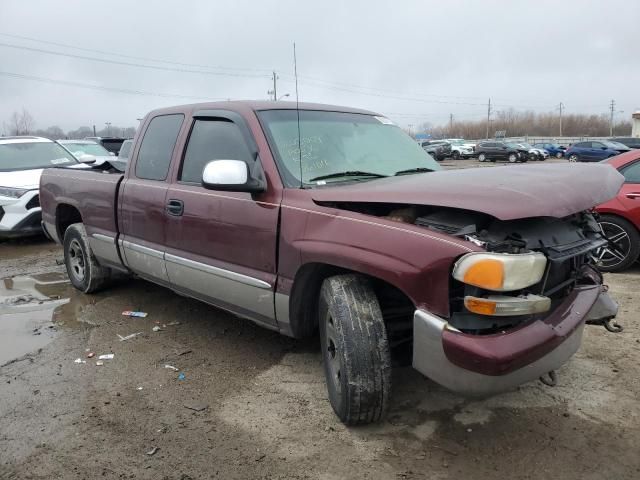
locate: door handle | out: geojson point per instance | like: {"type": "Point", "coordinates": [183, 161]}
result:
{"type": "Point", "coordinates": [175, 207]}
{"type": "Point", "coordinates": [633, 195]}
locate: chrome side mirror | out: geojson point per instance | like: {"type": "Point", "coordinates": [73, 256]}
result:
{"type": "Point", "coordinates": [231, 175]}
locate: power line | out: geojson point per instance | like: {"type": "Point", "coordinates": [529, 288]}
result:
{"type": "Point", "coordinates": [132, 57]}
{"type": "Point", "coordinates": [104, 88]}
{"type": "Point", "coordinates": [129, 64]}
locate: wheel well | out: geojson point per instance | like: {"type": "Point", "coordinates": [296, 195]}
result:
{"type": "Point", "coordinates": [66, 215]}
{"type": "Point", "coordinates": [397, 308]}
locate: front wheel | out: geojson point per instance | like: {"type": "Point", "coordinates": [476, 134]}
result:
{"type": "Point", "coordinates": [456, 155]}
{"type": "Point", "coordinates": [482, 157]}
{"type": "Point", "coordinates": [559, 155]}
{"type": "Point", "coordinates": [573, 157]}
{"type": "Point", "coordinates": [83, 269]}
{"type": "Point", "coordinates": [513, 158]}
{"type": "Point", "coordinates": [624, 244]}
{"type": "Point", "coordinates": [355, 349]}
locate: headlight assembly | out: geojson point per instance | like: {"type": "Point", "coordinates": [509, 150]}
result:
{"type": "Point", "coordinates": [500, 272]}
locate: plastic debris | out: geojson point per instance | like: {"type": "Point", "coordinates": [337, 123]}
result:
{"type": "Point", "coordinates": [153, 451]}
{"type": "Point", "coordinates": [128, 337]}
{"type": "Point", "coordinates": [130, 313]}
{"type": "Point", "coordinates": [99, 363]}
{"type": "Point", "coordinates": [139, 388]}
{"type": "Point", "coordinates": [79, 360]}
{"type": "Point", "coordinates": [171, 324]}
{"type": "Point", "coordinates": [156, 328]}
{"type": "Point", "coordinates": [91, 355]}
{"type": "Point", "coordinates": [171, 367]}
{"type": "Point", "coordinates": [106, 356]}
{"type": "Point", "coordinates": [181, 376]}
{"type": "Point", "coordinates": [196, 407]}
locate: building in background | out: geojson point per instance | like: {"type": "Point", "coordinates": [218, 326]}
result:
{"type": "Point", "coordinates": [635, 124]}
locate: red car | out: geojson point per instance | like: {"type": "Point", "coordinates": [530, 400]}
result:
{"type": "Point", "coordinates": [620, 216]}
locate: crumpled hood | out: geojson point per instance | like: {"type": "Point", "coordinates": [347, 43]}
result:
{"type": "Point", "coordinates": [29, 179]}
{"type": "Point", "coordinates": [506, 193]}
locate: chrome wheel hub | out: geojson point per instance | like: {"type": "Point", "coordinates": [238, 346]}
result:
{"type": "Point", "coordinates": [76, 260]}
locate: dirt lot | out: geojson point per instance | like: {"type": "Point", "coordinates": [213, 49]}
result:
{"type": "Point", "coordinates": [248, 403]}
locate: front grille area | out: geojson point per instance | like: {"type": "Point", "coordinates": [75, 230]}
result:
{"type": "Point", "coordinates": [34, 202]}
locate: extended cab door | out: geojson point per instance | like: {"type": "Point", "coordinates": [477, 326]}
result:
{"type": "Point", "coordinates": [143, 199]}
{"type": "Point", "coordinates": [221, 245]}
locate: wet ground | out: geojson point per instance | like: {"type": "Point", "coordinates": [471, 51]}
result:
{"type": "Point", "coordinates": [212, 396]}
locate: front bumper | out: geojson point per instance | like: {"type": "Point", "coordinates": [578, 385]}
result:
{"type": "Point", "coordinates": [482, 365]}
{"type": "Point", "coordinates": [20, 217]}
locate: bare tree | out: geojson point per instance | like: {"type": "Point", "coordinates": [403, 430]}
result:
{"type": "Point", "coordinates": [21, 123]}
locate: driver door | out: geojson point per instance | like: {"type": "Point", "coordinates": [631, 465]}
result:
{"type": "Point", "coordinates": [221, 245]}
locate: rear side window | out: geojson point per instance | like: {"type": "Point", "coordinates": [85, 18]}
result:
{"type": "Point", "coordinates": [597, 145]}
{"type": "Point", "coordinates": [632, 173]}
{"type": "Point", "coordinates": [212, 140]}
{"type": "Point", "coordinates": [154, 156]}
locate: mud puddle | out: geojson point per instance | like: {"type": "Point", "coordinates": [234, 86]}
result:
{"type": "Point", "coordinates": [26, 314]}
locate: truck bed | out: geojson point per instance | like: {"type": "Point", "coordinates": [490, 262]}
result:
{"type": "Point", "coordinates": [71, 192]}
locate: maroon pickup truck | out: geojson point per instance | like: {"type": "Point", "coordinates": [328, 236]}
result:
{"type": "Point", "coordinates": [332, 220]}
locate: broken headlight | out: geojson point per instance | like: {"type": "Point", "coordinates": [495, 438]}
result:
{"type": "Point", "coordinates": [500, 272]}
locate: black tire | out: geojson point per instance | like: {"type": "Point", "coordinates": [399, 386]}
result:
{"type": "Point", "coordinates": [482, 157]}
{"type": "Point", "coordinates": [559, 154]}
{"type": "Point", "coordinates": [574, 158]}
{"type": "Point", "coordinates": [626, 240]}
{"type": "Point", "coordinates": [534, 157]}
{"type": "Point", "coordinates": [512, 157]}
{"type": "Point", "coordinates": [456, 155]}
{"type": "Point", "coordinates": [355, 349]}
{"type": "Point", "coordinates": [83, 269]}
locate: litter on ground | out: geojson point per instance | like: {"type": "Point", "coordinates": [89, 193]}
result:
{"type": "Point", "coordinates": [106, 356]}
{"type": "Point", "coordinates": [171, 367]}
{"type": "Point", "coordinates": [130, 313]}
{"type": "Point", "coordinates": [128, 337]}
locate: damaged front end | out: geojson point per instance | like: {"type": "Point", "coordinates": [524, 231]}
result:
{"type": "Point", "coordinates": [517, 309]}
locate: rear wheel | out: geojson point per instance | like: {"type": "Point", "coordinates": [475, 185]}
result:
{"type": "Point", "coordinates": [574, 158]}
{"type": "Point", "coordinates": [83, 269]}
{"type": "Point", "coordinates": [355, 349]}
{"type": "Point", "coordinates": [482, 157]}
{"type": "Point", "coordinates": [624, 244]}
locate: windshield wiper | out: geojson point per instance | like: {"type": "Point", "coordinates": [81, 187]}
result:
{"type": "Point", "coordinates": [414, 170]}
{"type": "Point", "coordinates": [349, 173]}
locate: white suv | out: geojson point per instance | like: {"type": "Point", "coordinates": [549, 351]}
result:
{"type": "Point", "coordinates": [460, 148]}
{"type": "Point", "coordinates": [21, 162]}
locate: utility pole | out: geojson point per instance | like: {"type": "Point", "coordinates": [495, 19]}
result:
{"type": "Point", "coordinates": [561, 106]}
{"type": "Point", "coordinates": [488, 117]}
{"type": "Point", "coordinates": [274, 92]}
{"type": "Point", "coordinates": [450, 124]}
{"type": "Point", "coordinates": [613, 109]}
{"type": "Point", "coordinates": [108, 124]}
{"type": "Point", "coordinates": [94, 131]}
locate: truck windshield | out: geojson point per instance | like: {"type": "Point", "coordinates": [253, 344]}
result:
{"type": "Point", "coordinates": [32, 155]}
{"type": "Point", "coordinates": [334, 142]}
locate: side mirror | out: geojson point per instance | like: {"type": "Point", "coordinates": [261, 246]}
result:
{"type": "Point", "coordinates": [87, 158]}
{"type": "Point", "coordinates": [231, 176]}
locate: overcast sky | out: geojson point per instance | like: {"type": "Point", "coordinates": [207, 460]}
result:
{"type": "Point", "coordinates": [414, 61]}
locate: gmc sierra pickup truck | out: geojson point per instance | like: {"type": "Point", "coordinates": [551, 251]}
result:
{"type": "Point", "coordinates": [332, 220]}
